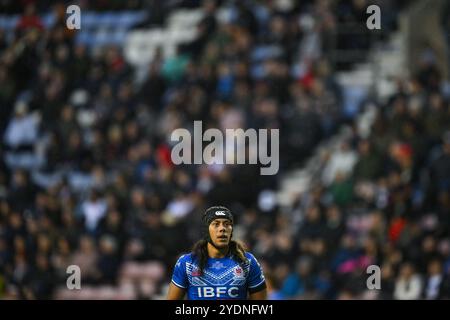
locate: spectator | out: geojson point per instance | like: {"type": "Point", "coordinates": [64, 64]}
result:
{"type": "Point", "coordinates": [433, 282]}
{"type": "Point", "coordinates": [22, 130]}
{"type": "Point", "coordinates": [341, 162]}
{"type": "Point", "coordinates": [86, 257]}
{"type": "Point", "coordinates": [30, 19]}
{"type": "Point", "coordinates": [108, 260]}
{"type": "Point", "coordinates": [93, 210]}
{"type": "Point", "coordinates": [409, 285]}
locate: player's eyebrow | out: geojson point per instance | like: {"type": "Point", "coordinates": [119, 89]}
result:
{"type": "Point", "coordinates": [225, 222]}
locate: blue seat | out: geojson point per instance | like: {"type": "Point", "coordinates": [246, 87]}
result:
{"type": "Point", "coordinates": [119, 37]}
{"type": "Point", "coordinates": [127, 19]}
{"type": "Point", "coordinates": [140, 16]}
{"type": "Point", "coordinates": [258, 71]}
{"type": "Point", "coordinates": [85, 37]}
{"type": "Point", "coordinates": [265, 52]}
{"type": "Point", "coordinates": [88, 19]}
{"type": "Point", "coordinates": [102, 38]}
{"type": "Point", "coordinates": [49, 20]}
{"type": "Point", "coordinates": [3, 22]}
{"type": "Point", "coordinates": [10, 22]}
{"type": "Point", "coordinates": [262, 14]}
{"type": "Point", "coordinates": [108, 20]}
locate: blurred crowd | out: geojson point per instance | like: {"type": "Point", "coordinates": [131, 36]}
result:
{"type": "Point", "coordinates": [381, 199]}
{"type": "Point", "coordinates": [86, 176]}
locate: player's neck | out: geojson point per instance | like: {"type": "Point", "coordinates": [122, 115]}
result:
{"type": "Point", "coordinates": [216, 253]}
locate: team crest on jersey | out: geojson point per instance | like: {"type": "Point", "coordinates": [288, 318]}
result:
{"type": "Point", "coordinates": [195, 271]}
{"type": "Point", "coordinates": [238, 272]}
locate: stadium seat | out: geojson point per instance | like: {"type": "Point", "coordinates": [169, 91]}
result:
{"type": "Point", "coordinates": [48, 20]}
{"type": "Point", "coordinates": [89, 20]}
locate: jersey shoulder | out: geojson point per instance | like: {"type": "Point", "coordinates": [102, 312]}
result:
{"type": "Point", "coordinates": [185, 258]}
{"type": "Point", "coordinates": [250, 257]}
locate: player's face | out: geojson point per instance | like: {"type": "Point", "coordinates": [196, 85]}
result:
{"type": "Point", "coordinates": [220, 231]}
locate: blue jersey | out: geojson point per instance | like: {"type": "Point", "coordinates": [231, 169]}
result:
{"type": "Point", "coordinates": [222, 278]}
